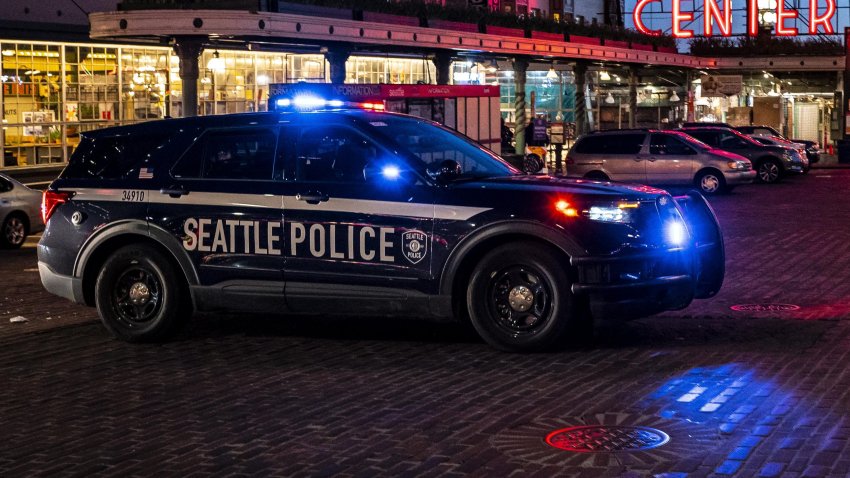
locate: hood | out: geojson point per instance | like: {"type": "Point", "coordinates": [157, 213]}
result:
{"type": "Point", "coordinates": [728, 155]}
{"type": "Point", "coordinates": [576, 186]}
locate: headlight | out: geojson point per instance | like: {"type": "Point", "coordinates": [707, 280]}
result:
{"type": "Point", "coordinates": [737, 164]}
{"type": "Point", "coordinates": [621, 213]}
{"type": "Point", "coordinates": [676, 233]}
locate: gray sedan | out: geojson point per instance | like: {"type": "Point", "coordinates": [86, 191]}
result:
{"type": "Point", "coordinates": [20, 212]}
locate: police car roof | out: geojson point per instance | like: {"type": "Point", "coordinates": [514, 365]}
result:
{"type": "Point", "coordinates": [235, 119]}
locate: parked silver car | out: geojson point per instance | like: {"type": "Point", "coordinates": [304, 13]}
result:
{"type": "Point", "coordinates": [20, 212]}
{"type": "Point", "coordinates": [657, 157]}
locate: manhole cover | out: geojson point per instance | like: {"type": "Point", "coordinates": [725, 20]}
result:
{"type": "Point", "coordinates": [764, 307]}
{"type": "Point", "coordinates": [602, 439]}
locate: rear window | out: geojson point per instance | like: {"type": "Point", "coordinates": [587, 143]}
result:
{"type": "Point", "coordinates": [611, 144]}
{"type": "Point", "coordinates": [112, 157]}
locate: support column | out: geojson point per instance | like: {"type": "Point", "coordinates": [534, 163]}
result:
{"type": "Point", "coordinates": [520, 69]}
{"type": "Point", "coordinates": [336, 57]}
{"type": "Point", "coordinates": [580, 73]}
{"type": "Point", "coordinates": [443, 62]}
{"type": "Point", "coordinates": [189, 49]}
{"type": "Point", "coordinates": [633, 84]}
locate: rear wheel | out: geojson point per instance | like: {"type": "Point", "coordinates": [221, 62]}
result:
{"type": "Point", "coordinates": [140, 296]}
{"type": "Point", "coordinates": [769, 171]}
{"type": "Point", "coordinates": [14, 231]}
{"type": "Point", "coordinates": [711, 182]}
{"type": "Point", "coordinates": [519, 298]}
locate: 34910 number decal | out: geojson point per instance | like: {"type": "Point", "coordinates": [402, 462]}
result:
{"type": "Point", "coordinates": [133, 195]}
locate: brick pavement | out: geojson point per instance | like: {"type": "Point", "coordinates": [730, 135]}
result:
{"type": "Point", "coordinates": [741, 394]}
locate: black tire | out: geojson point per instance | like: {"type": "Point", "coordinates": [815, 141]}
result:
{"type": "Point", "coordinates": [769, 171]}
{"type": "Point", "coordinates": [543, 309]}
{"type": "Point", "coordinates": [14, 231]}
{"type": "Point", "coordinates": [532, 164]}
{"type": "Point", "coordinates": [597, 176]}
{"type": "Point", "coordinates": [711, 182]}
{"type": "Point", "coordinates": [140, 296]}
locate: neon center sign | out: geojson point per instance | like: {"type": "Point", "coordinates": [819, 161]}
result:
{"type": "Point", "coordinates": [719, 13]}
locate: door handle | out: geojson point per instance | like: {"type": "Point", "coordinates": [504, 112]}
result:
{"type": "Point", "coordinates": [312, 197]}
{"type": "Point", "coordinates": [174, 191]}
{"type": "Point", "coordinates": [652, 160]}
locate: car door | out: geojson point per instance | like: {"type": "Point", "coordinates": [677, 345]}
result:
{"type": "Point", "coordinates": [350, 240]}
{"type": "Point", "coordinates": [624, 156]}
{"type": "Point", "coordinates": [670, 160]}
{"type": "Point", "coordinates": [733, 143]}
{"type": "Point", "coordinates": [221, 201]}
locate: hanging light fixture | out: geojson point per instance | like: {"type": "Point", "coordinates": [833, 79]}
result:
{"type": "Point", "coordinates": [552, 74]}
{"type": "Point", "coordinates": [604, 75]}
{"type": "Point", "coordinates": [674, 97]}
{"type": "Point", "coordinates": [216, 63]}
{"type": "Point", "coordinates": [610, 99]}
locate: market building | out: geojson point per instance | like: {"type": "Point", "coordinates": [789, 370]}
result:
{"type": "Point", "coordinates": [66, 70]}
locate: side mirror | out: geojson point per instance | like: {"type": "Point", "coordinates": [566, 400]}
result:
{"type": "Point", "coordinates": [447, 171]}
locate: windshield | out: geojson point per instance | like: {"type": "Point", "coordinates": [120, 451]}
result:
{"type": "Point", "coordinates": [431, 144]}
{"type": "Point", "coordinates": [692, 141]}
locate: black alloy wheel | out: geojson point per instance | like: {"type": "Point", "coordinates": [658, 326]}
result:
{"type": "Point", "coordinates": [140, 296]}
{"type": "Point", "coordinates": [13, 232]}
{"type": "Point", "coordinates": [769, 171]}
{"type": "Point", "coordinates": [519, 298]}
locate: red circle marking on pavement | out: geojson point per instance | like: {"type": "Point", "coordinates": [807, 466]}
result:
{"type": "Point", "coordinates": [606, 439]}
{"type": "Point", "coordinates": [764, 307]}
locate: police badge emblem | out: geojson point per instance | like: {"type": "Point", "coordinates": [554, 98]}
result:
{"type": "Point", "coordinates": [414, 245]}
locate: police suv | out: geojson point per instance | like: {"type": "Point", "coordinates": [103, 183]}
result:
{"type": "Point", "coordinates": [340, 210]}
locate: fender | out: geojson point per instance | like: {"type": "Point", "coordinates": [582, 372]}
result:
{"type": "Point", "coordinates": [534, 229]}
{"type": "Point", "coordinates": [142, 228]}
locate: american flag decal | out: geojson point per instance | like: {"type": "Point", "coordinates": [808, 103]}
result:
{"type": "Point", "coordinates": [146, 173]}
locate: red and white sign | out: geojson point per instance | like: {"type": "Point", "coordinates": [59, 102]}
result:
{"type": "Point", "coordinates": [718, 13]}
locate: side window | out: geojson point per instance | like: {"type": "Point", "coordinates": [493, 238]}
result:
{"type": "Point", "coordinates": [238, 153]}
{"type": "Point", "coordinates": [611, 144]}
{"type": "Point", "coordinates": [112, 157]}
{"type": "Point", "coordinates": [625, 144]}
{"type": "Point", "coordinates": [763, 131]}
{"type": "Point", "coordinates": [5, 185]}
{"type": "Point", "coordinates": [706, 137]}
{"type": "Point", "coordinates": [664, 144]}
{"type": "Point", "coordinates": [331, 153]}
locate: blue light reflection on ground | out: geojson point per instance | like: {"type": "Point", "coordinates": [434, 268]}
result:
{"type": "Point", "coordinates": [735, 399]}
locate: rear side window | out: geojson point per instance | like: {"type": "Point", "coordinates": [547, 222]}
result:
{"type": "Point", "coordinates": [5, 185]}
{"type": "Point", "coordinates": [112, 157]}
{"type": "Point", "coordinates": [611, 144]}
{"type": "Point", "coordinates": [238, 153]}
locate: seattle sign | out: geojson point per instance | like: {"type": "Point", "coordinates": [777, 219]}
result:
{"type": "Point", "coordinates": [719, 13]}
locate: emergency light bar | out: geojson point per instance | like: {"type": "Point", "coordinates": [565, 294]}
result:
{"type": "Point", "coordinates": [311, 102]}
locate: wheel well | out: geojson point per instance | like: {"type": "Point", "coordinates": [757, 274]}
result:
{"type": "Point", "coordinates": [104, 250]}
{"type": "Point", "coordinates": [474, 256]}
{"type": "Point", "coordinates": [768, 158]}
{"type": "Point", "coordinates": [596, 174]}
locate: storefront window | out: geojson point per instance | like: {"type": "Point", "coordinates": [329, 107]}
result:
{"type": "Point", "coordinates": [309, 68]}
{"type": "Point", "coordinates": [144, 84]}
{"type": "Point", "coordinates": [364, 69]}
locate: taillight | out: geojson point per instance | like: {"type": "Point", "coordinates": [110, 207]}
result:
{"type": "Point", "coordinates": [50, 200]}
{"type": "Point", "coordinates": [571, 160]}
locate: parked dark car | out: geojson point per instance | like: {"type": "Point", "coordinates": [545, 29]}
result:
{"type": "Point", "coordinates": [812, 147]}
{"type": "Point", "coordinates": [771, 163]}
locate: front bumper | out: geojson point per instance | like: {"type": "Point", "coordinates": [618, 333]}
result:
{"type": "Point", "coordinates": [633, 286]}
{"type": "Point", "coordinates": [633, 283]}
{"type": "Point", "coordinates": [70, 288]}
{"type": "Point", "coordinates": [734, 178]}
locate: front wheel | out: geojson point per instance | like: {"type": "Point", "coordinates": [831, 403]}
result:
{"type": "Point", "coordinates": [519, 298]}
{"type": "Point", "coordinates": [139, 295]}
{"type": "Point", "coordinates": [769, 171]}
{"type": "Point", "coordinates": [711, 182]}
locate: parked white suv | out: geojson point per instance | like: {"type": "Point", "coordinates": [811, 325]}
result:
{"type": "Point", "coordinates": [659, 158]}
